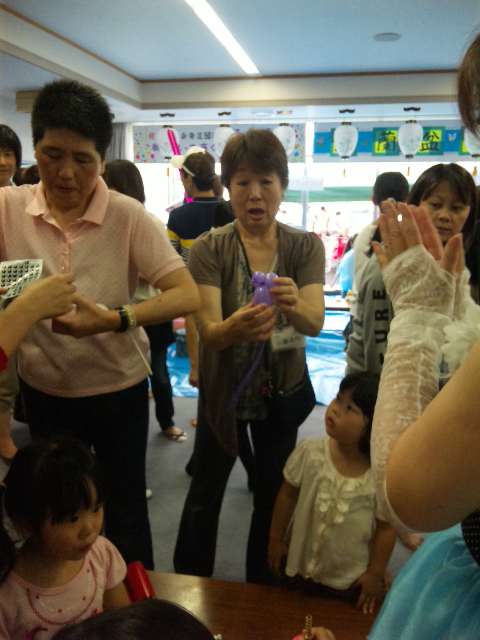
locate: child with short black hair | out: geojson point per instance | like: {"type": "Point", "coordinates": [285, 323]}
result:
{"type": "Point", "coordinates": [65, 571]}
{"type": "Point", "coordinates": [325, 523]}
{"type": "Point", "coordinates": [145, 620]}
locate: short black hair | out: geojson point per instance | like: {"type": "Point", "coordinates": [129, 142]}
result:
{"type": "Point", "coordinates": [125, 177]}
{"type": "Point", "coordinates": [258, 149]}
{"type": "Point", "coordinates": [391, 184]}
{"type": "Point", "coordinates": [364, 389]}
{"type": "Point", "coordinates": [48, 480]}
{"type": "Point", "coordinates": [9, 140]}
{"type": "Point", "coordinates": [460, 181]}
{"type": "Point", "coordinates": [67, 104]}
{"type": "Point", "coordinates": [145, 620]}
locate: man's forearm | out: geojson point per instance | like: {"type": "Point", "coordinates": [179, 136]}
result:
{"type": "Point", "coordinates": [173, 303]}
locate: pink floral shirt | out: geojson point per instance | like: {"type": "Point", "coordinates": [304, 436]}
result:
{"type": "Point", "coordinates": [28, 612]}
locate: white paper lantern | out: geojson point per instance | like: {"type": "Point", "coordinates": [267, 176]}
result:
{"type": "Point", "coordinates": [220, 136]}
{"type": "Point", "coordinates": [472, 142]}
{"type": "Point", "coordinates": [345, 138]}
{"type": "Point", "coordinates": [164, 148]}
{"type": "Point", "coordinates": [287, 136]}
{"type": "Point", "coordinates": [410, 137]}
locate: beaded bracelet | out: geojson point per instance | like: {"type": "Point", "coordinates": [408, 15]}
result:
{"type": "Point", "coordinates": [132, 319]}
{"type": "Point", "coordinates": [127, 318]}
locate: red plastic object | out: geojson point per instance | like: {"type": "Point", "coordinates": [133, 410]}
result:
{"type": "Point", "coordinates": [138, 583]}
{"type": "Point", "coordinates": [178, 323]}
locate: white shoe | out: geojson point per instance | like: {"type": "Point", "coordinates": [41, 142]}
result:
{"type": "Point", "coordinates": [149, 493]}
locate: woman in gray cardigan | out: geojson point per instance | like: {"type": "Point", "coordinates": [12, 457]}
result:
{"type": "Point", "coordinates": [232, 330]}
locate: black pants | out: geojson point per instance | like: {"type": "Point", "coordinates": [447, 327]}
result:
{"type": "Point", "coordinates": [116, 425]}
{"type": "Point", "coordinates": [245, 454]}
{"type": "Point", "coordinates": [161, 336]}
{"type": "Point", "coordinates": [197, 537]}
{"type": "Point", "coordinates": [162, 388]}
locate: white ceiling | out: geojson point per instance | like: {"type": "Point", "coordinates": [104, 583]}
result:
{"type": "Point", "coordinates": [164, 40]}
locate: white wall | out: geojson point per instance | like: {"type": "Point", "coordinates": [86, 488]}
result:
{"type": "Point", "coordinates": [20, 123]}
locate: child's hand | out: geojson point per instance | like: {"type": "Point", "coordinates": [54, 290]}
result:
{"type": "Point", "coordinates": [373, 587]}
{"type": "Point", "coordinates": [49, 297]}
{"type": "Point", "coordinates": [277, 551]}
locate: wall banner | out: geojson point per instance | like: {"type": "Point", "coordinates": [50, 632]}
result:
{"type": "Point", "coordinates": [151, 143]}
{"type": "Point", "coordinates": [381, 142]}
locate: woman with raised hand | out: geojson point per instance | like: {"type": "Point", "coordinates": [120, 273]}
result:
{"type": "Point", "coordinates": [426, 444]}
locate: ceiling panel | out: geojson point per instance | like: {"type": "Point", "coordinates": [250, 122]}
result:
{"type": "Point", "coordinates": [17, 75]}
{"type": "Point", "coordinates": [325, 36]}
{"type": "Point", "coordinates": [163, 39]}
{"type": "Point", "coordinates": [149, 39]}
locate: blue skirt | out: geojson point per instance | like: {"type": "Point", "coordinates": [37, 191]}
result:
{"type": "Point", "coordinates": [436, 596]}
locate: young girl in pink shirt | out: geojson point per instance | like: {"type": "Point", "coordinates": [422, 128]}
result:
{"type": "Point", "coordinates": [55, 568]}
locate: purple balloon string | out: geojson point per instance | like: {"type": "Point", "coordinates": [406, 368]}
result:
{"type": "Point", "coordinates": [262, 283]}
{"type": "Point", "coordinates": [240, 388]}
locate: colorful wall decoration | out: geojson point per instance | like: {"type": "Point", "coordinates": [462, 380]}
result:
{"type": "Point", "coordinates": [383, 142]}
{"type": "Point", "coordinates": [148, 143]}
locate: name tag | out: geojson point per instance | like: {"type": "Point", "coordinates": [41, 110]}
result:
{"type": "Point", "coordinates": [287, 338]}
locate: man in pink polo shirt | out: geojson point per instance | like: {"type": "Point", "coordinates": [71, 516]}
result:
{"type": "Point", "coordinates": [94, 387]}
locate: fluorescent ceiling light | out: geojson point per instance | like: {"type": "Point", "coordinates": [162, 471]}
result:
{"type": "Point", "coordinates": [211, 20]}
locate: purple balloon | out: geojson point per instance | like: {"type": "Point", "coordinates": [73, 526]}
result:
{"type": "Point", "coordinates": [258, 279]}
{"type": "Point", "coordinates": [262, 283]}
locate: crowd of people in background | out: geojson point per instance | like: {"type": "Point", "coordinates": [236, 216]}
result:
{"type": "Point", "coordinates": [80, 346]}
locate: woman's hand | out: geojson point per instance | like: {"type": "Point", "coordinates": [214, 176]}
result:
{"type": "Point", "coordinates": [418, 273]}
{"type": "Point", "coordinates": [251, 323]}
{"type": "Point", "coordinates": [86, 319]}
{"type": "Point", "coordinates": [285, 294]}
{"type": "Point", "coordinates": [373, 588]}
{"type": "Point", "coordinates": [403, 227]}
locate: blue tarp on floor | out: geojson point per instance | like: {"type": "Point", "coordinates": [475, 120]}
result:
{"type": "Point", "coordinates": [325, 358]}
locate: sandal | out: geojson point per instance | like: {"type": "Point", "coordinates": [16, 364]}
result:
{"type": "Point", "coordinates": [175, 437]}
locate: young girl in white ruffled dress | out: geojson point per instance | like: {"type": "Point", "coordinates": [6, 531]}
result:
{"type": "Point", "coordinates": [325, 522]}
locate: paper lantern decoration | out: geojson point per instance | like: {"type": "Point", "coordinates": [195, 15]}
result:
{"type": "Point", "coordinates": [164, 138]}
{"type": "Point", "coordinates": [472, 142]}
{"type": "Point", "coordinates": [345, 138]}
{"type": "Point", "coordinates": [220, 136]}
{"type": "Point", "coordinates": [287, 136]}
{"type": "Point", "coordinates": [410, 137]}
